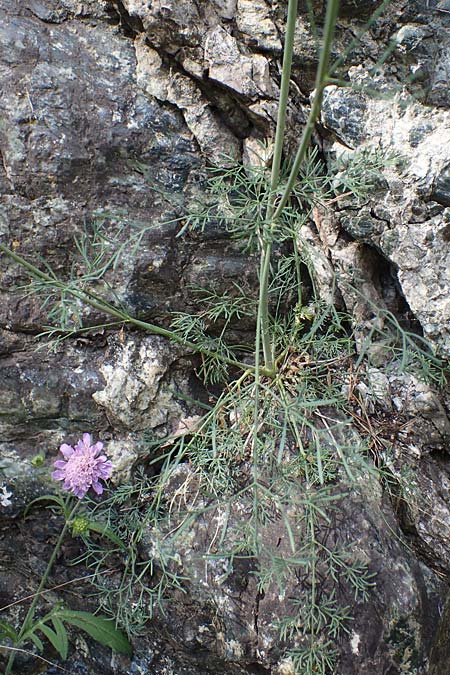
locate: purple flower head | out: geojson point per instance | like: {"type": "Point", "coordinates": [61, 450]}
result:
{"type": "Point", "coordinates": [84, 467]}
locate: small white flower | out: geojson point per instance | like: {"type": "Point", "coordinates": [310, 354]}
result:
{"type": "Point", "coordinates": [4, 496]}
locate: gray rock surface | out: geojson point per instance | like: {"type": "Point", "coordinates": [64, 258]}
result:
{"type": "Point", "coordinates": [403, 110]}
{"type": "Point", "coordinates": [407, 222]}
{"type": "Point", "coordinates": [385, 634]}
{"type": "Point", "coordinates": [109, 111]}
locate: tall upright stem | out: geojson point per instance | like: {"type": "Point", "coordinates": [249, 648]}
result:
{"type": "Point", "coordinates": [321, 83]}
{"type": "Point", "coordinates": [273, 214]}
{"type": "Point", "coordinates": [274, 180]}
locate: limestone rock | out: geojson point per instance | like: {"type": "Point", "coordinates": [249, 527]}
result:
{"type": "Point", "coordinates": [136, 394]}
{"type": "Point", "coordinates": [167, 85]}
{"type": "Point", "coordinates": [198, 42]}
{"type": "Point", "coordinates": [408, 231]}
{"type": "Point", "coordinates": [247, 75]}
{"type": "Point", "coordinates": [109, 111]}
{"type": "Point", "coordinates": [246, 629]}
{"type": "Point", "coordinates": [254, 21]}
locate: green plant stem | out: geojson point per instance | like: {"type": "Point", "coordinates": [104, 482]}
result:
{"type": "Point", "coordinates": [30, 613]}
{"type": "Point", "coordinates": [321, 83]}
{"type": "Point", "coordinates": [266, 249]}
{"type": "Point", "coordinates": [262, 321]}
{"type": "Point", "coordinates": [283, 101]}
{"type": "Point", "coordinates": [273, 213]}
{"type": "Point", "coordinates": [98, 303]}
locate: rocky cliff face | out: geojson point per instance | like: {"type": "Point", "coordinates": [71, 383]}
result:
{"type": "Point", "coordinates": [110, 111]}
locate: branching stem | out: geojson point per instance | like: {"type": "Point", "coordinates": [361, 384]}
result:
{"type": "Point", "coordinates": [275, 209]}
{"type": "Point", "coordinates": [105, 307]}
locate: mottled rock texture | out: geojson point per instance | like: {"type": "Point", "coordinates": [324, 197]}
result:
{"type": "Point", "coordinates": [109, 111]}
{"type": "Point", "coordinates": [387, 633]}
